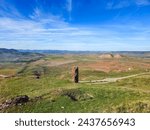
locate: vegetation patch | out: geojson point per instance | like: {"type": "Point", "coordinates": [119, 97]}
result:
{"type": "Point", "coordinates": [136, 107]}
{"type": "Point", "coordinates": [55, 91]}
{"type": "Point", "coordinates": [77, 95]}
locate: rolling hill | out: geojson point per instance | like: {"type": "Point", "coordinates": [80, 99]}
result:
{"type": "Point", "coordinates": [12, 55]}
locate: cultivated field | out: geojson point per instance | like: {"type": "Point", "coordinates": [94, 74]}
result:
{"type": "Point", "coordinates": [107, 83]}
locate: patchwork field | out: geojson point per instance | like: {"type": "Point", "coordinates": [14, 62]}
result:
{"type": "Point", "coordinates": [107, 83]}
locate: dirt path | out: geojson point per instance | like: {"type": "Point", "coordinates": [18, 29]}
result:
{"type": "Point", "coordinates": [6, 76]}
{"type": "Point", "coordinates": [3, 76]}
{"type": "Point", "coordinates": [110, 80]}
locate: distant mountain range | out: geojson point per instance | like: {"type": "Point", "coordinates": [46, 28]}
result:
{"type": "Point", "coordinates": [84, 52]}
{"type": "Point", "coordinates": [13, 55]}
{"type": "Point", "coordinates": [145, 54]}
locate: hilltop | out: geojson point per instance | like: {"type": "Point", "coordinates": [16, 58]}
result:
{"type": "Point", "coordinates": [110, 56]}
{"type": "Point", "coordinates": [12, 55]}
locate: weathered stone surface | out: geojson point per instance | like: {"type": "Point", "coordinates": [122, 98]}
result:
{"type": "Point", "coordinates": [75, 74]}
{"type": "Point", "coordinates": [19, 100]}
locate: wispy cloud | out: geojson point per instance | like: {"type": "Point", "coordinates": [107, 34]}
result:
{"type": "Point", "coordinates": [69, 7]}
{"type": "Point", "coordinates": [6, 8]}
{"type": "Point", "coordinates": [45, 30]}
{"type": "Point", "coordinates": [118, 5]}
{"type": "Point", "coordinates": [142, 2]}
{"type": "Point", "coordinates": [126, 3]}
{"type": "Point", "coordinates": [30, 34]}
{"type": "Point", "coordinates": [47, 19]}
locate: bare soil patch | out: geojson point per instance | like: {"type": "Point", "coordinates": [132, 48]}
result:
{"type": "Point", "coordinates": [115, 65]}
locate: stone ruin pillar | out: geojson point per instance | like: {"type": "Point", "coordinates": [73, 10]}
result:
{"type": "Point", "coordinates": [75, 74]}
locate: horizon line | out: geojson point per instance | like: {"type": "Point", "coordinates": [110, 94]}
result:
{"type": "Point", "coordinates": [78, 50]}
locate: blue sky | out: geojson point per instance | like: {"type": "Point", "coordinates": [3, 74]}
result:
{"type": "Point", "coordinates": [95, 25]}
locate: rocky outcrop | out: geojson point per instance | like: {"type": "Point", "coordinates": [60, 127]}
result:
{"type": "Point", "coordinates": [19, 100]}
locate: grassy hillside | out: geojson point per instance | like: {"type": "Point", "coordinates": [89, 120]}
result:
{"type": "Point", "coordinates": [55, 91]}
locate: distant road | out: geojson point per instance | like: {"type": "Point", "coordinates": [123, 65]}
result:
{"type": "Point", "coordinates": [109, 80]}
